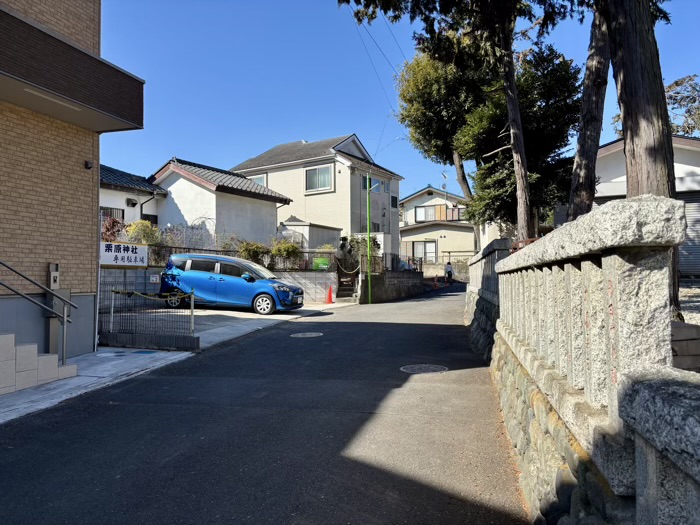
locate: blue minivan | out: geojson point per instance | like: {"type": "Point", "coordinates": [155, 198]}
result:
{"type": "Point", "coordinates": [221, 280]}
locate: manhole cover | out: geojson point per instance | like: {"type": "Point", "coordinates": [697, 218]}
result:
{"type": "Point", "coordinates": [307, 334]}
{"type": "Point", "coordinates": [423, 369]}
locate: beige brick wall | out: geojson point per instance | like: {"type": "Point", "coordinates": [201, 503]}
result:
{"type": "Point", "coordinates": [48, 200]}
{"type": "Point", "coordinates": [78, 21]}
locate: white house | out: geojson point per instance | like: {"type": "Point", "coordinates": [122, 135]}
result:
{"type": "Point", "coordinates": [223, 202]}
{"type": "Point", "coordinates": [128, 197]}
{"type": "Point", "coordinates": [432, 227]}
{"type": "Point", "coordinates": [327, 182]}
{"type": "Point", "coordinates": [611, 172]}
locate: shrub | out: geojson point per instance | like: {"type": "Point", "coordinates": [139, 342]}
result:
{"type": "Point", "coordinates": [285, 249]}
{"type": "Point", "coordinates": [253, 251]}
{"type": "Point", "coordinates": [143, 232]}
{"type": "Point", "coordinates": [328, 247]}
{"type": "Point", "coordinates": [112, 229]}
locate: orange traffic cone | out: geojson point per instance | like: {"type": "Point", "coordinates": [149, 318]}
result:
{"type": "Point", "coordinates": [329, 298]}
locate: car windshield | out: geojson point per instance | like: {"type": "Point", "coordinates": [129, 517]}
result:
{"type": "Point", "coordinates": [260, 271]}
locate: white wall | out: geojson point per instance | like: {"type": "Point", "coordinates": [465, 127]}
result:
{"type": "Point", "coordinates": [187, 203]}
{"type": "Point", "coordinates": [611, 171]}
{"type": "Point", "coordinates": [117, 199]}
{"type": "Point", "coordinates": [449, 238]}
{"type": "Point", "coordinates": [250, 219]}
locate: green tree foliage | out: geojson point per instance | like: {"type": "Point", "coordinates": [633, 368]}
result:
{"type": "Point", "coordinates": [143, 232]}
{"type": "Point", "coordinates": [549, 90]}
{"type": "Point", "coordinates": [435, 98]}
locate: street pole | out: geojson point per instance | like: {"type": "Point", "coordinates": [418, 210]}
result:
{"type": "Point", "coordinates": [369, 243]}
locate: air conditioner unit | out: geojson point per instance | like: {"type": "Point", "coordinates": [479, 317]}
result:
{"type": "Point", "coordinates": [131, 203]}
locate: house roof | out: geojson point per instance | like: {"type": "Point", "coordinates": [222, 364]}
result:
{"type": "Point", "coordinates": [291, 152]}
{"type": "Point", "coordinates": [368, 163]}
{"type": "Point", "coordinates": [454, 224]}
{"type": "Point", "coordinates": [118, 179]}
{"type": "Point", "coordinates": [678, 140]}
{"type": "Point", "coordinates": [428, 188]}
{"type": "Point", "coordinates": [223, 181]}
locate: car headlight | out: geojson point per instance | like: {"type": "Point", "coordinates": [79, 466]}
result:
{"type": "Point", "coordinates": [281, 288]}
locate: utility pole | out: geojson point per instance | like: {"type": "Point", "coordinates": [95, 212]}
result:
{"type": "Point", "coordinates": [369, 241]}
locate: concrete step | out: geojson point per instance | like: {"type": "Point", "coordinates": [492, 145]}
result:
{"type": "Point", "coordinates": [346, 300]}
{"type": "Point", "coordinates": [21, 366]}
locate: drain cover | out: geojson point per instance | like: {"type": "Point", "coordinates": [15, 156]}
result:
{"type": "Point", "coordinates": [307, 334]}
{"type": "Point", "coordinates": [423, 369]}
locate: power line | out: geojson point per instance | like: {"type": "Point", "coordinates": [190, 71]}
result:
{"type": "Point", "coordinates": [392, 36]}
{"type": "Point", "coordinates": [364, 26]}
{"type": "Point", "coordinates": [371, 62]}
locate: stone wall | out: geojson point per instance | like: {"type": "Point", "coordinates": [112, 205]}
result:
{"type": "Point", "coordinates": [482, 310]}
{"type": "Point", "coordinates": [390, 286]}
{"type": "Point", "coordinates": [604, 430]}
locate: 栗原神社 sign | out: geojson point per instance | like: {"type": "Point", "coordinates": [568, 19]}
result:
{"type": "Point", "coordinates": [124, 254]}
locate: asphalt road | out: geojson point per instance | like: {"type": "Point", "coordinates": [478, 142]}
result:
{"type": "Point", "coordinates": [273, 429]}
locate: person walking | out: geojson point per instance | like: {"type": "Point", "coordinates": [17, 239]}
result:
{"type": "Point", "coordinates": [448, 273]}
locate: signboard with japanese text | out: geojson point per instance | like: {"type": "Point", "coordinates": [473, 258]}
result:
{"type": "Point", "coordinates": [123, 254]}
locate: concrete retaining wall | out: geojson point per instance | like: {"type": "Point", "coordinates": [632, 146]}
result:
{"type": "Point", "coordinates": [390, 286]}
{"type": "Point", "coordinates": [460, 270]}
{"type": "Point", "coordinates": [315, 284]}
{"type": "Point", "coordinates": [604, 429]}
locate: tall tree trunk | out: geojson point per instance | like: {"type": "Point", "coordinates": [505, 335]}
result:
{"type": "Point", "coordinates": [461, 175]}
{"type": "Point", "coordinates": [525, 228]}
{"type": "Point", "coordinates": [466, 191]}
{"type": "Point", "coordinates": [595, 82]}
{"type": "Point", "coordinates": [640, 91]}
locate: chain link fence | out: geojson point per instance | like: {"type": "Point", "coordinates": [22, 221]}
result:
{"type": "Point", "coordinates": [129, 307]}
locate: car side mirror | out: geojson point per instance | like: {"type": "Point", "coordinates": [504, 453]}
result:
{"type": "Point", "coordinates": [247, 277]}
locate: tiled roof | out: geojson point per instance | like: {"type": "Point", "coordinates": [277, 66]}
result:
{"type": "Point", "coordinates": [229, 182]}
{"type": "Point", "coordinates": [291, 152]}
{"type": "Point", "coordinates": [122, 179]}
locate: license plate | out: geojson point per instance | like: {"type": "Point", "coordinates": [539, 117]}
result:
{"type": "Point", "coordinates": [299, 300]}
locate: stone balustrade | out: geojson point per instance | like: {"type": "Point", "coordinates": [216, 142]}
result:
{"type": "Point", "coordinates": [584, 329]}
{"type": "Point", "coordinates": [482, 310]}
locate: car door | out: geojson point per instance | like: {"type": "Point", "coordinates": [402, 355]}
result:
{"type": "Point", "coordinates": [203, 278]}
{"type": "Point", "coordinates": [231, 288]}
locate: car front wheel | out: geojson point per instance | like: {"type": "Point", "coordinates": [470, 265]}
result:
{"type": "Point", "coordinates": [264, 304]}
{"type": "Point", "coordinates": [174, 301]}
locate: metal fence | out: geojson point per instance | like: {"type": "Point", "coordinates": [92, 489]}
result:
{"type": "Point", "coordinates": [308, 260]}
{"type": "Point", "coordinates": [129, 308]}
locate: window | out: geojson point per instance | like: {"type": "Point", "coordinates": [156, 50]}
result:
{"type": "Point", "coordinates": [230, 269]}
{"type": "Point", "coordinates": [375, 189]}
{"type": "Point", "coordinates": [425, 213]}
{"type": "Point", "coordinates": [153, 219]}
{"type": "Point", "coordinates": [318, 178]}
{"type": "Point", "coordinates": [425, 249]}
{"type": "Point", "coordinates": [387, 186]}
{"type": "Point", "coordinates": [115, 213]}
{"type": "Point", "coordinates": [202, 265]}
{"type": "Point", "coordinates": [394, 201]}
{"type": "Point", "coordinates": [376, 227]}
{"type": "Point", "coordinates": [258, 179]}
{"type": "Point", "coordinates": [455, 214]}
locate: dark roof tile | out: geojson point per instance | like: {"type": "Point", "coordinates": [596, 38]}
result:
{"type": "Point", "coordinates": [291, 152]}
{"type": "Point", "coordinates": [122, 179]}
{"type": "Point", "coordinates": [227, 181]}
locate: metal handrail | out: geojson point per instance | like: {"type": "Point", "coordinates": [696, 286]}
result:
{"type": "Point", "coordinates": [63, 317]}
{"type": "Point", "coordinates": [47, 290]}
{"type": "Point", "coordinates": [51, 310]}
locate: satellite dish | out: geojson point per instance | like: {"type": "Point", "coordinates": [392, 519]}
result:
{"type": "Point", "coordinates": [444, 186]}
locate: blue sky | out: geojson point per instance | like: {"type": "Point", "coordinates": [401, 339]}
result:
{"type": "Point", "coordinates": [229, 79]}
